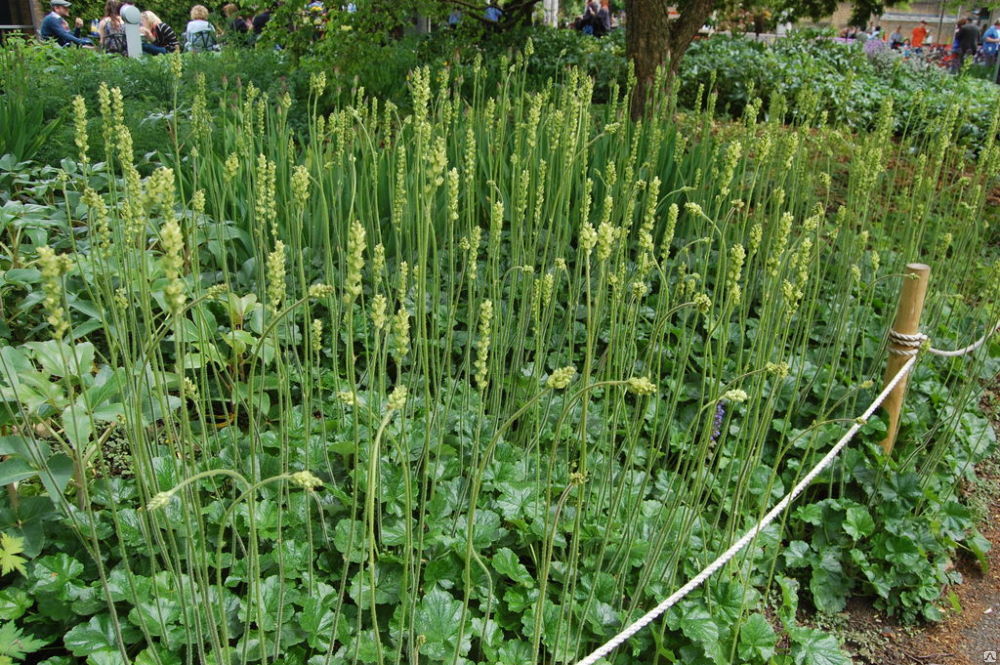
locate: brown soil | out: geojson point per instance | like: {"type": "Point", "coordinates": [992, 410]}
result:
{"type": "Point", "coordinates": [969, 635]}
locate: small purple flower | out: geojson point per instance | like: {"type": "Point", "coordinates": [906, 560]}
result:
{"type": "Point", "coordinates": [875, 45]}
{"type": "Point", "coordinates": [720, 414]}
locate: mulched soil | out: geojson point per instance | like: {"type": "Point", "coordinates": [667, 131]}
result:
{"type": "Point", "coordinates": [970, 636]}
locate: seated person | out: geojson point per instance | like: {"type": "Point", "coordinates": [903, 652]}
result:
{"type": "Point", "coordinates": [54, 26]}
{"type": "Point", "coordinates": [111, 29]}
{"type": "Point", "coordinates": [200, 35]}
{"type": "Point", "coordinates": [237, 22]}
{"type": "Point", "coordinates": [162, 38]}
{"type": "Point", "coordinates": [259, 21]}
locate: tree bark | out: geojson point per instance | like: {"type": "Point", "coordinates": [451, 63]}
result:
{"type": "Point", "coordinates": [647, 39]}
{"type": "Point", "coordinates": [653, 41]}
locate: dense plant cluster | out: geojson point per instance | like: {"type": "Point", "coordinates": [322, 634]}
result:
{"type": "Point", "coordinates": [50, 77]}
{"type": "Point", "coordinates": [475, 383]}
{"type": "Point", "coordinates": [838, 80]}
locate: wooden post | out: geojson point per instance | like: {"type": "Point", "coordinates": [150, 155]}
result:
{"type": "Point", "coordinates": [35, 10]}
{"type": "Point", "coordinates": [911, 304]}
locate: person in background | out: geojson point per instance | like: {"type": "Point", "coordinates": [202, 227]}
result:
{"type": "Point", "coordinates": [162, 38]}
{"type": "Point", "coordinates": [896, 38]}
{"type": "Point", "coordinates": [587, 22]}
{"type": "Point", "coordinates": [315, 12]}
{"type": "Point", "coordinates": [200, 35]}
{"type": "Point", "coordinates": [235, 20]}
{"type": "Point", "coordinates": [991, 43]}
{"type": "Point", "coordinates": [260, 20]}
{"type": "Point", "coordinates": [966, 42]}
{"type": "Point", "coordinates": [919, 35]}
{"type": "Point", "coordinates": [493, 13]}
{"type": "Point", "coordinates": [112, 29]}
{"type": "Point", "coordinates": [54, 26]}
{"type": "Point", "coordinates": [602, 25]}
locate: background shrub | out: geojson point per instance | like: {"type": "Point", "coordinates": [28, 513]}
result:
{"type": "Point", "coordinates": [827, 76]}
{"type": "Point", "coordinates": [57, 75]}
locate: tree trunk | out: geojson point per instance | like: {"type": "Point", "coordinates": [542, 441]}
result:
{"type": "Point", "coordinates": [652, 40]}
{"type": "Point", "coordinates": [647, 39]}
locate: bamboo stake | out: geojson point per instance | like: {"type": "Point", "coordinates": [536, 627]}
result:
{"type": "Point", "coordinates": [12, 497]}
{"type": "Point", "coordinates": [911, 304]}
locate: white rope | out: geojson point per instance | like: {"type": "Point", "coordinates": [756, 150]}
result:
{"type": "Point", "coordinates": [910, 345]}
{"type": "Point", "coordinates": [968, 349]}
{"type": "Point", "coordinates": [726, 556]}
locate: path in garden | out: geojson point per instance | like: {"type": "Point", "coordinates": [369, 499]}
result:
{"type": "Point", "coordinates": [969, 637]}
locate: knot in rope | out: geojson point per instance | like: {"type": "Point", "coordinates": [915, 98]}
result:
{"type": "Point", "coordinates": [910, 344]}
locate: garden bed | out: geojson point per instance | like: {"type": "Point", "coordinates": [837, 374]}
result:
{"type": "Point", "coordinates": [480, 382]}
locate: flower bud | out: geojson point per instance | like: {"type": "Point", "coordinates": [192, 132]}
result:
{"type": "Point", "coordinates": [306, 480]}
{"type": "Point", "coordinates": [560, 378]}
{"type": "Point", "coordinates": [734, 396]}
{"type": "Point", "coordinates": [397, 399]}
{"type": "Point", "coordinates": [641, 385]}
{"type": "Point", "coordinates": [276, 276]}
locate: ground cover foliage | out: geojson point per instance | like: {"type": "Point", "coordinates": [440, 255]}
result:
{"type": "Point", "coordinates": [478, 382]}
{"type": "Point", "coordinates": [848, 82]}
{"type": "Point", "coordinates": [814, 74]}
